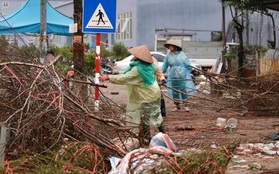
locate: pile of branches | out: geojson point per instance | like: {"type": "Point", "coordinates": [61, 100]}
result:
{"type": "Point", "coordinates": [254, 95]}
{"type": "Point", "coordinates": [40, 115]}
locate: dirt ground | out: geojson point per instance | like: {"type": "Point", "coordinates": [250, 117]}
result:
{"type": "Point", "coordinates": [198, 127]}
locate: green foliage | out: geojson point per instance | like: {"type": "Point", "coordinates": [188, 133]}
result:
{"type": "Point", "coordinates": [89, 62]}
{"type": "Point", "coordinates": [105, 53]}
{"type": "Point", "coordinates": [63, 68]}
{"type": "Point", "coordinates": [79, 157]}
{"type": "Point", "coordinates": [63, 65]}
{"type": "Point", "coordinates": [120, 51]}
{"type": "Point", "coordinates": [247, 5]}
{"type": "Point", "coordinates": [32, 49]}
{"type": "Point", "coordinates": [67, 54]}
{"type": "Point", "coordinates": [55, 49]}
{"type": "Point", "coordinates": [258, 48]}
{"type": "Point", "coordinates": [87, 46]}
{"type": "Point", "coordinates": [2, 37]}
{"type": "Point", "coordinates": [4, 44]}
{"type": "Point", "coordinates": [230, 55]}
{"type": "Point", "coordinates": [89, 58]}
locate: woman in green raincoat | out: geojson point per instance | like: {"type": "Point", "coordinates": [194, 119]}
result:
{"type": "Point", "coordinates": [143, 91]}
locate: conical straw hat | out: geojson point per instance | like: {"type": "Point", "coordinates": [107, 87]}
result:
{"type": "Point", "coordinates": [142, 52]}
{"type": "Point", "coordinates": [175, 43]}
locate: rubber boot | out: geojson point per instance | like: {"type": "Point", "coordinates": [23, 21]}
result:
{"type": "Point", "coordinates": [146, 133]}
{"type": "Point", "coordinates": [163, 107]}
{"type": "Point", "coordinates": [161, 128]}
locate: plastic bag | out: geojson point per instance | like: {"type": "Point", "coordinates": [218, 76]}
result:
{"type": "Point", "coordinates": [273, 136]}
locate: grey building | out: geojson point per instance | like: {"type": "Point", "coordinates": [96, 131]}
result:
{"type": "Point", "coordinates": [194, 19]}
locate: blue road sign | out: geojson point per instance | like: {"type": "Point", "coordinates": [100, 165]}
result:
{"type": "Point", "coordinates": [99, 16]}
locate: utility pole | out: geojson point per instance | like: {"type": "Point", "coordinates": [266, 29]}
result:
{"type": "Point", "coordinates": [43, 36]}
{"type": "Point", "coordinates": [78, 47]}
{"type": "Point", "coordinates": [223, 38]}
{"type": "Point", "coordinates": [78, 52]}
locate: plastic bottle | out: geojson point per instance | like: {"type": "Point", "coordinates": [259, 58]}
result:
{"type": "Point", "coordinates": [232, 122]}
{"type": "Point", "coordinates": [238, 94]}
{"type": "Point", "coordinates": [221, 122]}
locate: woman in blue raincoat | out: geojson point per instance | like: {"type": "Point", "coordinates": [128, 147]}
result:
{"type": "Point", "coordinates": [144, 93]}
{"type": "Point", "coordinates": [180, 81]}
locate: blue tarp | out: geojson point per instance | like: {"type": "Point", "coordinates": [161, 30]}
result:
{"type": "Point", "coordinates": [27, 20]}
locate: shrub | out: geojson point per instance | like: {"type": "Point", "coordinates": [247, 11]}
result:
{"type": "Point", "coordinates": [120, 51]}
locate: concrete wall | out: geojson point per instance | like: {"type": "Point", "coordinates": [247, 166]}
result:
{"type": "Point", "coordinates": [202, 49]}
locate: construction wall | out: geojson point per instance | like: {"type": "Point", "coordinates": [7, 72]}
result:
{"type": "Point", "coordinates": [254, 63]}
{"type": "Point", "coordinates": [269, 67]}
{"type": "Point", "coordinates": [269, 64]}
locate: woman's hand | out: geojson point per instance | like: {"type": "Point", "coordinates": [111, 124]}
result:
{"type": "Point", "coordinates": [103, 78]}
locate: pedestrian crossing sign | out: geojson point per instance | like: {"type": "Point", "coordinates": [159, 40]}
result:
{"type": "Point", "coordinates": [99, 16]}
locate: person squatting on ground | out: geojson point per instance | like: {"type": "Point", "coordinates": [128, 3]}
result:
{"type": "Point", "coordinates": [144, 93]}
{"type": "Point", "coordinates": [69, 76]}
{"type": "Point", "coordinates": [179, 76]}
{"type": "Point", "coordinates": [161, 80]}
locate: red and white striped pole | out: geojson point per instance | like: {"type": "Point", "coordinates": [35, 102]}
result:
{"type": "Point", "coordinates": [97, 70]}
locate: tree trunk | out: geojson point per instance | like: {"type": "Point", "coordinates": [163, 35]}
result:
{"type": "Point", "coordinates": [239, 29]}
{"type": "Point", "coordinates": [78, 53]}
{"type": "Point", "coordinates": [224, 38]}
{"type": "Point", "coordinates": [273, 43]}
{"type": "Point", "coordinates": [240, 52]}
{"type": "Point", "coordinates": [229, 65]}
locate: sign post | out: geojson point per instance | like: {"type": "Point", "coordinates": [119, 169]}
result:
{"type": "Point", "coordinates": [97, 69]}
{"type": "Point", "coordinates": [99, 16]}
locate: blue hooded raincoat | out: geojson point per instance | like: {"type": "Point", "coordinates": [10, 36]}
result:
{"type": "Point", "coordinates": [179, 76]}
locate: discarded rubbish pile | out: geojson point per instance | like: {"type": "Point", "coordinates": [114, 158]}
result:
{"type": "Point", "coordinates": [44, 120]}
{"type": "Point", "coordinates": [40, 116]}
{"type": "Point", "coordinates": [254, 95]}
{"type": "Point", "coordinates": [58, 126]}
{"type": "Point", "coordinates": [163, 156]}
{"type": "Point", "coordinates": [263, 155]}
